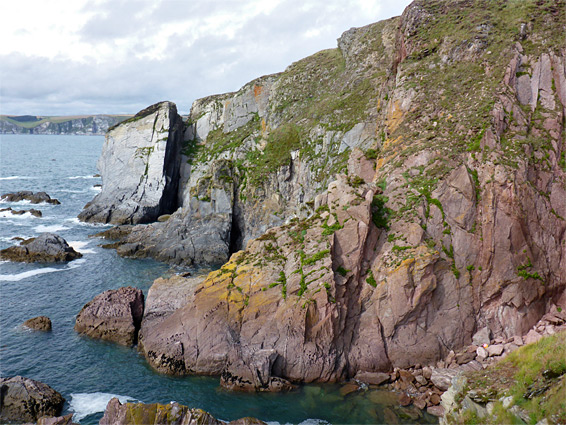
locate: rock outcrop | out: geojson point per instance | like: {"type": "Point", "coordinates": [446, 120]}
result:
{"type": "Point", "coordinates": [34, 212]}
{"type": "Point", "coordinates": [25, 400]}
{"type": "Point", "coordinates": [139, 167]}
{"type": "Point", "coordinates": [381, 202]}
{"type": "Point", "coordinates": [39, 323]}
{"type": "Point", "coordinates": [46, 248]}
{"type": "Point", "coordinates": [162, 414]}
{"type": "Point", "coordinates": [114, 315]}
{"type": "Point", "coordinates": [26, 195]}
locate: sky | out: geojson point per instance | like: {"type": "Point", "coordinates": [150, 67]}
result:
{"type": "Point", "coordinates": [72, 57]}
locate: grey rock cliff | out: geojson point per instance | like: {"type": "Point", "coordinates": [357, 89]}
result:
{"type": "Point", "coordinates": [139, 167]}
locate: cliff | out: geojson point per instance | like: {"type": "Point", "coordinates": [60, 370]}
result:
{"type": "Point", "coordinates": [80, 125]}
{"type": "Point", "coordinates": [381, 201]}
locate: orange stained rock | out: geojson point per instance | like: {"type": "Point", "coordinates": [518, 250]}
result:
{"type": "Point", "coordinates": [263, 127]}
{"type": "Point", "coordinates": [395, 116]}
{"type": "Point", "coordinates": [257, 90]}
{"type": "Point", "coordinates": [391, 142]}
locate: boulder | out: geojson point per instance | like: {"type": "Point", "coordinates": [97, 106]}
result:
{"type": "Point", "coordinates": [46, 248]}
{"type": "Point", "coordinates": [117, 413]}
{"type": "Point", "coordinates": [372, 378]}
{"type": "Point", "coordinates": [139, 166]}
{"type": "Point", "coordinates": [442, 378]}
{"type": "Point", "coordinates": [114, 315]}
{"type": "Point", "coordinates": [25, 400]}
{"type": "Point", "coordinates": [40, 323]}
{"type": "Point", "coordinates": [26, 195]}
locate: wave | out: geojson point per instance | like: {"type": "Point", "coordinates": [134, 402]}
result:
{"type": "Point", "coordinates": [24, 202]}
{"type": "Point", "coordinates": [8, 214]}
{"type": "Point", "coordinates": [82, 177]}
{"type": "Point", "coordinates": [85, 404]}
{"type": "Point", "coordinates": [42, 228]}
{"type": "Point", "coordinates": [96, 189]}
{"type": "Point", "coordinates": [80, 247]}
{"type": "Point", "coordinates": [77, 222]}
{"type": "Point", "coordinates": [24, 275]}
{"type": "Point", "coordinates": [13, 178]}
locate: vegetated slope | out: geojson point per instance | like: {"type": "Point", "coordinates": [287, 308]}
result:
{"type": "Point", "coordinates": [529, 385]}
{"type": "Point", "coordinates": [80, 125]}
{"type": "Point", "coordinates": [448, 126]}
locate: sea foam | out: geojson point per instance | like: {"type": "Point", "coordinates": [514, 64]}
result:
{"type": "Point", "coordinates": [82, 177]}
{"type": "Point", "coordinates": [80, 246]}
{"type": "Point", "coordinates": [84, 404]}
{"type": "Point", "coordinates": [24, 275]}
{"type": "Point", "coordinates": [50, 229]}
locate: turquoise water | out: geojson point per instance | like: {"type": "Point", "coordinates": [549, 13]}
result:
{"type": "Point", "coordinates": [88, 372]}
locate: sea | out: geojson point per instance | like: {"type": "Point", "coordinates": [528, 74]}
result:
{"type": "Point", "coordinates": [88, 372]}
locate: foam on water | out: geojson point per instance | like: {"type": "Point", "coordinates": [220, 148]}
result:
{"type": "Point", "coordinates": [84, 404]}
{"type": "Point", "coordinates": [80, 246]}
{"type": "Point", "coordinates": [12, 178]}
{"type": "Point", "coordinates": [24, 275]}
{"type": "Point", "coordinates": [23, 202]}
{"type": "Point", "coordinates": [77, 222]}
{"type": "Point", "coordinates": [82, 177]}
{"type": "Point", "coordinates": [50, 229]}
{"type": "Point", "coordinates": [8, 214]}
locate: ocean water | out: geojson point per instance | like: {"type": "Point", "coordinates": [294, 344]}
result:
{"type": "Point", "coordinates": [89, 372]}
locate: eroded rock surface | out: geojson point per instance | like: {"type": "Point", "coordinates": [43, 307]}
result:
{"type": "Point", "coordinates": [26, 400]}
{"type": "Point", "coordinates": [139, 167]}
{"type": "Point", "coordinates": [114, 315]}
{"type": "Point", "coordinates": [46, 248]}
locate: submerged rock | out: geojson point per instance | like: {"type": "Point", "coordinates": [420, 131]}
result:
{"type": "Point", "coordinates": [26, 400]}
{"type": "Point", "coordinates": [26, 195]}
{"type": "Point", "coordinates": [139, 166]}
{"type": "Point", "coordinates": [117, 413]}
{"type": "Point", "coordinates": [40, 323]}
{"type": "Point", "coordinates": [114, 315]}
{"type": "Point", "coordinates": [46, 248]}
{"type": "Point", "coordinates": [34, 212]}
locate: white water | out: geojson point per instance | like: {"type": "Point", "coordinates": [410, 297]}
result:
{"type": "Point", "coordinates": [84, 404]}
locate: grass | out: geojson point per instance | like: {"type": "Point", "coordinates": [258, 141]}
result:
{"type": "Point", "coordinates": [533, 375]}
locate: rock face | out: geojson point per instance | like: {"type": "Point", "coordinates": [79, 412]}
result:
{"type": "Point", "coordinates": [46, 248]}
{"type": "Point", "coordinates": [114, 315]}
{"type": "Point", "coordinates": [139, 167]}
{"type": "Point", "coordinates": [26, 400]}
{"type": "Point", "coordinates": [26, 195]}
{"type": "Point", "coordinates": [160, 414]}
{"type": "Point", "coordinates": [39, 323]}
{"type": "Point", "coordinates": [382, 202]}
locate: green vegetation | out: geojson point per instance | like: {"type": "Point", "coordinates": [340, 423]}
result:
{"type": "Point", "coordinates": [342, 271]}
{"type": "Point", "coordinates": [533, 376]}
{"type": "Point", "coordinates": [371, 279]}
{"type": "Point", "coordinates": [379, 212]}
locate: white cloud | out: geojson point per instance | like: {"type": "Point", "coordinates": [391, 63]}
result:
{"type": "Point", "coordinates": [118, 56]}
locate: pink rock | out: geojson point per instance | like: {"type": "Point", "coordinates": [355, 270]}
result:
{"type": "Point", "coordinates": [532, 337]}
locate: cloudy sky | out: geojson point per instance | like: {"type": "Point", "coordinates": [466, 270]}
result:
{"type": "Point", "coordinates": [67, 57]}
